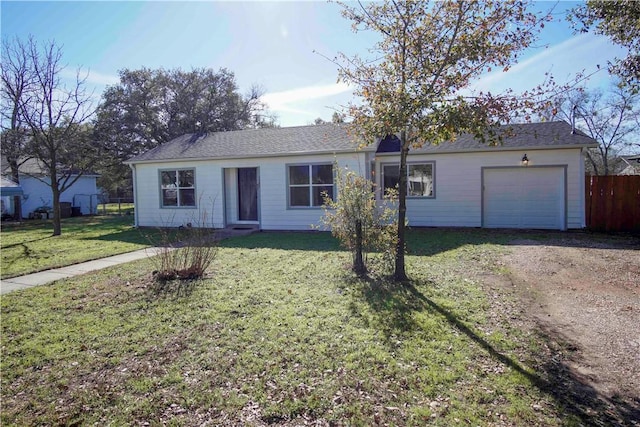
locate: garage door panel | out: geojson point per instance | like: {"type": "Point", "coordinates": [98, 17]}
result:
{"type": "Point", "coordinates": [524, 198]}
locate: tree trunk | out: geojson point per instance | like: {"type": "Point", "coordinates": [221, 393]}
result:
{"type": "Point", "coordinates": [17, 208]}
{"type": "Point", "coordinates": [57, 227]}
{"type": "Point", "coordinates": [589, 155]}
{"type": "Point", "coordinates": [399, 275]}
{"type": "Point", "coordinates": [358, 263]}
{"type": "Point", "coordinates": [17, 200]}
{"type": "Point", "coordinates": [605, 162]}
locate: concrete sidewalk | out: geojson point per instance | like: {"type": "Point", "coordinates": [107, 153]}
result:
{"type": "Point", "coordinates": [48, 276]}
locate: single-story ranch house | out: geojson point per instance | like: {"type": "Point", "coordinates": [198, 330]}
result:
{"type": "Point", "coordinates": [273, 179]}
{"type": "Point", "coordinates": [36, 192]}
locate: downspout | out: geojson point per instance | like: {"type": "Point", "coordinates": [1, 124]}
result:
{"type": "Point", "coordinates": [135, 195]}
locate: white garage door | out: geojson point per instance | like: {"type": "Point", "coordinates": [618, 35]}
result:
{"type": "Point", "coordinates": [524, 198]}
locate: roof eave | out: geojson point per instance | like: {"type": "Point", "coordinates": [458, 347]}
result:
{"type": "Point", "coordinates": [251, 156]}
{"type": "Point", "coordinates": [493, 149]}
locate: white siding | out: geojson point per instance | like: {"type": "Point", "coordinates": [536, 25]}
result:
{"type": "Point", "coordinates": [209, 196]}
{"type": "Point", "coordinates": [457, 202]}
{"type": "Point", "coordinates": [458, 184]}
{"type": "Point", "coordinates": [273, 212]}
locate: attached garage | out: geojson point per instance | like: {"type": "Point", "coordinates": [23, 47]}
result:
{"type": "Point", "coordinates": [524, 197]}
{"type": "Point", "coordinates": [462, 183]}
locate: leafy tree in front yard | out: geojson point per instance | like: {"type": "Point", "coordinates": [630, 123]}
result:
{"type": "Point", "coordinates": [355, 218]}
{"type": "Point", "coordinates": [417, 83]}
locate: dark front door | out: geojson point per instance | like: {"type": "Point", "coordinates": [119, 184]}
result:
{"type": "Point", "coordinates": [248, 194]}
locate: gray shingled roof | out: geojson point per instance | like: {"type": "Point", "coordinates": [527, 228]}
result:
{"type": "Point", "coordinates": [516, 136]}
{"type": "Point", "coordinates": [331, 138]}
{"type": "Point", "coordinates": [327, 138]}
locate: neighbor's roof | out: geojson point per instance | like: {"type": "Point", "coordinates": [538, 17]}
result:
{"type": "Point", "coordinates": [312, 139]}
{"type": "Point", "coordinates": [9, 188]}
{"type": "Point", "coordinates": [515, 136]}
{"type": "Point", "coordinates": [34, 167]}
{"type": "Point", "coordinates": [632, 158]}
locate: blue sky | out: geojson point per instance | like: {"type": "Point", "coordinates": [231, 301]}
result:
{"type": "Point", "coordinates": [267, 43]}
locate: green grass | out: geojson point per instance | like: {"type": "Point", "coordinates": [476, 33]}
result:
{"type": "Point", "coordinates": [116, 209]}
{"type": "Point", "coordinates": [280, 332]}
{"type": "Point", "coordinates": [29, 247]}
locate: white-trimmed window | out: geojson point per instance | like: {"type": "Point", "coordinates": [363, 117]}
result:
{"type": "Point", "coordinates": [177, 188]}
{"type": "Point", "coordinates": [420, 181]}
{"type": "Point", "coordinates": [307, 184]}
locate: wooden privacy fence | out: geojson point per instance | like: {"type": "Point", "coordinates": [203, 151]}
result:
{"type": "Point", "coordinates": [613, 203]}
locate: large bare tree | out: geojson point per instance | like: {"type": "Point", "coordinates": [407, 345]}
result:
{"type": "Point", "coordinates": [17, 82]}
{"type": "Point", "coordinates": [416, 83]}
{"type": "Point", "coordinates": [56, 116]}
{"type": "Point", "coordinates": [610, 117]}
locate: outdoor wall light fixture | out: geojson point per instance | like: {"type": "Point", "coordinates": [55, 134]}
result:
{"type": "Point", "coordinates": [525, 160]}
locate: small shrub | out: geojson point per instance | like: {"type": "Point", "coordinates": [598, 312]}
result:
{"type": "Point", "coordinates": [188, 259]}
{"type": "Point", "coordinates": [362, 225]}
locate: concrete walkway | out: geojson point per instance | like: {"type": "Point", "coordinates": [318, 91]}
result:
{"type": "Point", "coordinates": [48, 276]}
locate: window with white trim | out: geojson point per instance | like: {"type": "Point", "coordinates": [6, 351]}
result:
{"type": "Point", "coordinates": [177, 188]}
{"type": "Point", "coordinates": [419, 178]}
{"type": "Point", "coordinates": [308, 184]}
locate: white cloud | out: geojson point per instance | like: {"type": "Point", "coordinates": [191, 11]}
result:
{"type": "Point", "coordinates": [284, 32]}
{"type": "Point", "coordinates": [580, 53]}
{"type": "Point", "coordinates": [102, 78]}
{"type": "Point", "coordinates": [93, 77]}
{"type": "Point", "coordinates": [286, 101]}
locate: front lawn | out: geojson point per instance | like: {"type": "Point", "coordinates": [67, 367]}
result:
{"type": "Point", "coordinates": [28, 247]}
{"type": "Point", "coordinates": [281, 333]}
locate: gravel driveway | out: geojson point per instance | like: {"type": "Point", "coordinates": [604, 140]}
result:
{"type": "Point", "coordinates": [583, 290]}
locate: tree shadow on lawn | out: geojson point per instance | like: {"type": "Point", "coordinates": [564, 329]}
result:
{"type": "Point", "coordinates": [393, 305]}
{"type": "Point", "coordinates": [24, 244]}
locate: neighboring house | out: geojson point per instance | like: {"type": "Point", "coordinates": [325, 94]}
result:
{"type": "Point", "coordinates": [83, 194]}
{"type": "Point", "coordinates": [8, 190]}
{"type": "Point", "coordinates": [274, 178]}
{"type": "Point", "coordinates": [632, 165]}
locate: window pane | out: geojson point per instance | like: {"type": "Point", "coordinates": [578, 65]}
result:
{"type": "Point", "coordinates": [319, 193]}
{"type": "Point", "coordinates": [299, 196]}
{"type": "Point", "coordinates": [322, 174]}
{"type": "Point", "coordinates": [188, 197]}
{"type": "Point", "coordinates": [391, 176]}
{"type": "Point", "coordinates": [299, 174]}
{"type": "Point", "coordinates": [420, 180]}
{"type": "Point", "coordinates": [186, 178]}
{"type": "Point", "coordinates": [168, 179]}
{"type": "Point", "coordinates": [169, 198]}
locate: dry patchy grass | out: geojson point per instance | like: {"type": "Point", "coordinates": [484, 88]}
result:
{"type": "Point", "coordinates": [282, 333]}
